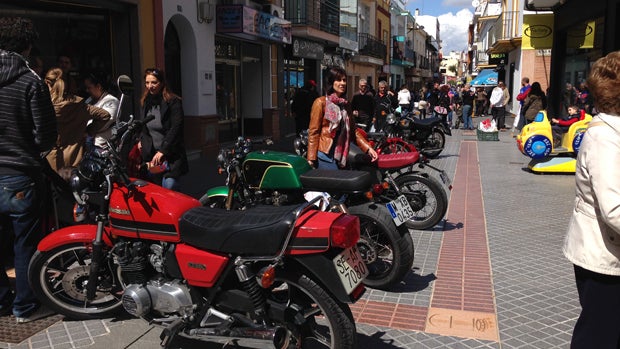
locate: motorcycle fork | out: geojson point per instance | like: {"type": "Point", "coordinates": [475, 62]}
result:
{"type": "Point", "coordinates": [96, 259]}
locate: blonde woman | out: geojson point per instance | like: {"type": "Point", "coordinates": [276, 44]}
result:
{"type": "Point", "coordinates": [72, 119]}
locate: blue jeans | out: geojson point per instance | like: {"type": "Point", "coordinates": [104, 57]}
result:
{"type": "Point", "coordinates": [21, 199]}
{"type": "Point", "coordinates": [467, 120]}
{"type": "Point", "coordinates": [171, 183]}
{"type": "Point", "coordinates": [325, 162]}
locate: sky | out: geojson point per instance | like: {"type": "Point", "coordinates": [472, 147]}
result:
{"type": "Point", "coordinates": [454, 17]}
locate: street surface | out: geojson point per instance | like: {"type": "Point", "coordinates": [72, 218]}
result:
{"type": "Point", "coordinates": [491, 275]}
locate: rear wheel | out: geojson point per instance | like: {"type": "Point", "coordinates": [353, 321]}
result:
{"type": "Point", "coordinates": [59, 277]}
{"type": "Point", "coordinates": [433, 145]}
{"type": "Point", "coordinates": [387, 249]}
{"type": "Point", "coordinates": [324, 322]}
{"type": "Point", "coordinates": [427, 199]}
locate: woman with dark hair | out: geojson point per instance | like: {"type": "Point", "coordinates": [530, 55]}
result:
{"type": "Point", "coordinates": [97, 87]}
{"type": "Point", "coordinates": [332, 127]}
{"type": "Point", "coordinates": [442, 108]}
{"type": "Point", "coordinates": [592, 242]}
{"type": "Point", "coordinates": [161, 142]}
{"type": "Point", "coordinates": [533, 103]}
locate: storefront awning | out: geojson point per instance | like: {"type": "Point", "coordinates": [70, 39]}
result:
{"type": "Point", "coordinates": [487, 77]}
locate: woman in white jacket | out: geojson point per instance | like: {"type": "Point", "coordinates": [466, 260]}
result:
{"type": "Point", "coordinates": [96, 84]}
{"type": "Point", "coordinates": [592, 242]}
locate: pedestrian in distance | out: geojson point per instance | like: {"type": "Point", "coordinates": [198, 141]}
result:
{"type": "Point", "coordinates": [499, 99]}
{"type": "Point", "coordinates": [482, 101]}
{"type": "Point", "coordinates": [75, 119]}
{"type": "Point", "coordinates": [363, 104]}
{"type": "Point", "coordinates": [161, 142]}
{"type": "Point", "coordinates": [592, 240]}
{"type": "Point", "coordinates": [532, 105]}
{"type": "Point", "coordinates": [467, 100]}
{"type": "Point", "coordinates": [332, 128]}
{"type": "Point", "coordinates": [443, 105]}
{"type": "Point", "coordinates": [29, 128]}
{"type": "Point", "coordinates": [302, 104]}
{"type": "Point", "coordinates": [523, 92]}
{"type": "Point", "coordinates": [385, 103]}
{"type": "Point", "coordinates": [97, 87]}
{"type": "Point", "coordinates": [404, 100]}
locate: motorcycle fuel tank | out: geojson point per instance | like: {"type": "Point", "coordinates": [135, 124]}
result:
{"type": "Point", "coordinates": [274, 170]}
{"type": "Point", "coordinates": [148, 212]}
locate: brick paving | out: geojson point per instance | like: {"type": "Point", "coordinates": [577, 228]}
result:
{"type": "Point", "coordinates": [498, 253]}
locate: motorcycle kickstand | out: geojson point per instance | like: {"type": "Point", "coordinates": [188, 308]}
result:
{"type": "Point", "coordinates": [168, 334]}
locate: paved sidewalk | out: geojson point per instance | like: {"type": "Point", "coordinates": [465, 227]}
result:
{"type": "Point", "coordinates": [490, 276]}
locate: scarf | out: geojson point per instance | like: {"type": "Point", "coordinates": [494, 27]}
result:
{"type": "Point", "coordinates": [337, 115]}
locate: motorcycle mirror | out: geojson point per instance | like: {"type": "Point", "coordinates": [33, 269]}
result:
{"type": "Point", "coordinates": [125, 84]}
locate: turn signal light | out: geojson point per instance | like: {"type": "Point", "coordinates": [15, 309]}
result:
{"type": "Point", "coordinates": [266, 276]}
{"type": "Point", "coordinates": [345, 231]}
{"type": "Point", "coordinates": [368, 195]}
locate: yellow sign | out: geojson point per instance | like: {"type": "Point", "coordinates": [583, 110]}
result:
{"type": "Point", "coordinates": [537, 32]}
{"type": "Point", "coordinates": [581, 35]}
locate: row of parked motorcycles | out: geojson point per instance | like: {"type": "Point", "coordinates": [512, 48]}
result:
{"type": "Point", "coordinates": [270, 260]}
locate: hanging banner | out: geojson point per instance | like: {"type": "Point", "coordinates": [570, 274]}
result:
{"type": "Point", "coordinates": [537, 32]}
{"type": "Point", "coordinates": [246, 20]}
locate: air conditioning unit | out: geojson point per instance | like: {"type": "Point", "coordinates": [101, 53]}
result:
{"type": "Point", "coordinates": [274, 10]}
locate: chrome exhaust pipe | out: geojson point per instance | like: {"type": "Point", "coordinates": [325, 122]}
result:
{"type": "Point", "coordinates": [260, 338]}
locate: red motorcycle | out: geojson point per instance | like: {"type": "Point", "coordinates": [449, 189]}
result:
{"type": "Point", "coordinates": [267, 277]}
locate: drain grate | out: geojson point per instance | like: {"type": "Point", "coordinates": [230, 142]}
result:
{"type": "Point", "coordinates": [12, 332]}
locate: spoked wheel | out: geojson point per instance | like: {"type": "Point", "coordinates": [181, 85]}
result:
{"type": "Point", "coordinates": [321, 321]}
{"type": "Point", "coordinates": [427, 199]}
{"type": "Point", "coordinates": [386, 249]}
{"type": "Point", "coordinates": [433, 145]}
{"type": "Point", "coordinates": [59, 277]}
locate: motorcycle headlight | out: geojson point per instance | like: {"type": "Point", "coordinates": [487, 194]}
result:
{"type": "Point", "coordinates": [391, 118]}
{"type": "Point", "coordinates": [297, 145]}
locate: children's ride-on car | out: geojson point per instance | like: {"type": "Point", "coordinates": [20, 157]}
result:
{"type": "Point", "coordinates": [536, 141]}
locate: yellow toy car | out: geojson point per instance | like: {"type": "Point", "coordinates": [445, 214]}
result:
{"type": "Point", "coordinates": [536, 141]}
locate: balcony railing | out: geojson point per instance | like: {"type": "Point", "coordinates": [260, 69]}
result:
{"type": "Point", "coordinates": [320, 14]}
{"type": "Point", "coordinates": [506, 27]}
{"type": "Point", "coordinates": [371, 46]}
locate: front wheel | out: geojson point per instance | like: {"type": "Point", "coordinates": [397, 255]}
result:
{"type": "Point", "coordinates": [433, 145]}
{"type": "Point", "coordinates": [427, 199]}
{"type": "Point", "coordinates": [59, 277]}
{"type": "Point", "coordinates": [323, 322]}
{"type": "Point", "coordinates": [387, 249]}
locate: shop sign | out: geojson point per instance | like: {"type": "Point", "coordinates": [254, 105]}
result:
{"type": "Point", "coordinates": [246, 20]}
{"type": "Point", "coordinates": [307, 49]}
{"type": "Point", "coordinates": [497, 58]}
{"type": "Point", "coordinates": [537, 32]}
{"type": "Point", "coordinates": [581, 35]}
{"type": "Point", "coordinates": [332, 60]}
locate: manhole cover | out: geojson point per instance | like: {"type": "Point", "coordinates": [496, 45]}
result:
{"type": "Point", "coordinates": [12, 332]}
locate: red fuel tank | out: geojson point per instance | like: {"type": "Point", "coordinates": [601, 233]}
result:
{"type": "Point", "coordinates": [148, 212]}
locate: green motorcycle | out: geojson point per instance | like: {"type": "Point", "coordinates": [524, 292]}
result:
{"type": "Point", "coordinates": [279, 178]}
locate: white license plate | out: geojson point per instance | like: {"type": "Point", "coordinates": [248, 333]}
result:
{"type": "Point", "coordinates": [351, 268]}
{"type": "Point", "coordinates": [400, 210]}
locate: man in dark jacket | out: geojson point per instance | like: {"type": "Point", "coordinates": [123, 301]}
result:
{"type": "Point", "coordinates": [363, 104]}
{"type": "Point", "coordinates": [28, 128]}
{"type": "Point", "coordinates": [385, 103]}
{"type": "Point", "coordinates": [302, 104]}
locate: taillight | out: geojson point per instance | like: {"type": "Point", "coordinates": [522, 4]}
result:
{"type": "Point", "coordinates": [377, 189]}
{"type": "Point", "coordinates": [345, 231]}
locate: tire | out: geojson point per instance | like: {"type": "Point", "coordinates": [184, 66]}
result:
{"type": "Point", "coordinates": [387, 249]}
{"type": "Point", "coordinates": [427, 198]}
{"type": "Point", "coordinates": [433, 145]}
{"type": "Point", "coordinates": [331, 325]}
{"type": "Point", "coordinates": [58, 278]}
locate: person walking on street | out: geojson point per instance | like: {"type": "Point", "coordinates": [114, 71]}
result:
{"type": "Point", "coordinates": [499, 98]}
{"type": "Point", "coordinates": [525, 89]}
{"type": "Point", "coordinates": [385, 103]}
{"type": "Point", "coordinates": [302, 103]}
{"type": "Point", "coordinates": [593, 235]}
{"type": "Point", "coordinates": [161, 140]}
{"type": "Point", "coordinates": [29, 128]}
{"type": "Point", "coordinates": [331, 128]}
{"type": "Point", "coordinates": [533, 103]}
{"type": "Point", "coordinates": [481, 101]}
{"type": "Point", "coordinates": [404, 100]}
{"type": "Point", "coordinates": [467, 101]}
{"type": "Point", "coordinates": [363, 104]}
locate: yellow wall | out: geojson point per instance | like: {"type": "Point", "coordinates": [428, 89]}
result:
{"type": "Point", "coordinates": [147, 33]}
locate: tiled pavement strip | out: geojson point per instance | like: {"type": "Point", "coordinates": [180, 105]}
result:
{"type": "Point", "coordinates": [525, 217]}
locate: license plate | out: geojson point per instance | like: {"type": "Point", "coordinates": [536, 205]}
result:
{"type": "Point", "coordinates": [351, 268]}
{"type": "Point", "coordinates": [400, 210]}
{"type": "Point", "coordinates": [444, 178]}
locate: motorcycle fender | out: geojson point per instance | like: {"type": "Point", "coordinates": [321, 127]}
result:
{"type": "Point", "coordinates": [84, 233]}
{"type": "Point", "coordinates": [322, 268]}
{"type": "Point", "coordinates": [446, 130]}
{"type": "Point", "coordinates": [218, 191]}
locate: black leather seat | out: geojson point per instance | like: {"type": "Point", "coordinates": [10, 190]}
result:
{"type": "Point", "coordinates": [258, 231]}
{"type": "Point", "coordinates": [341, 181]}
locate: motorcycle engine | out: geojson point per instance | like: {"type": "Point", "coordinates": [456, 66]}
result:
{"type": "Point", "coordinates": [147, 288]}
{"type": "Point", "coordinates": [164, 297]}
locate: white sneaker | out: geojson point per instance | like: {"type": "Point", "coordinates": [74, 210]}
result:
{"type": "Point", "coordinates": [40, 313]}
